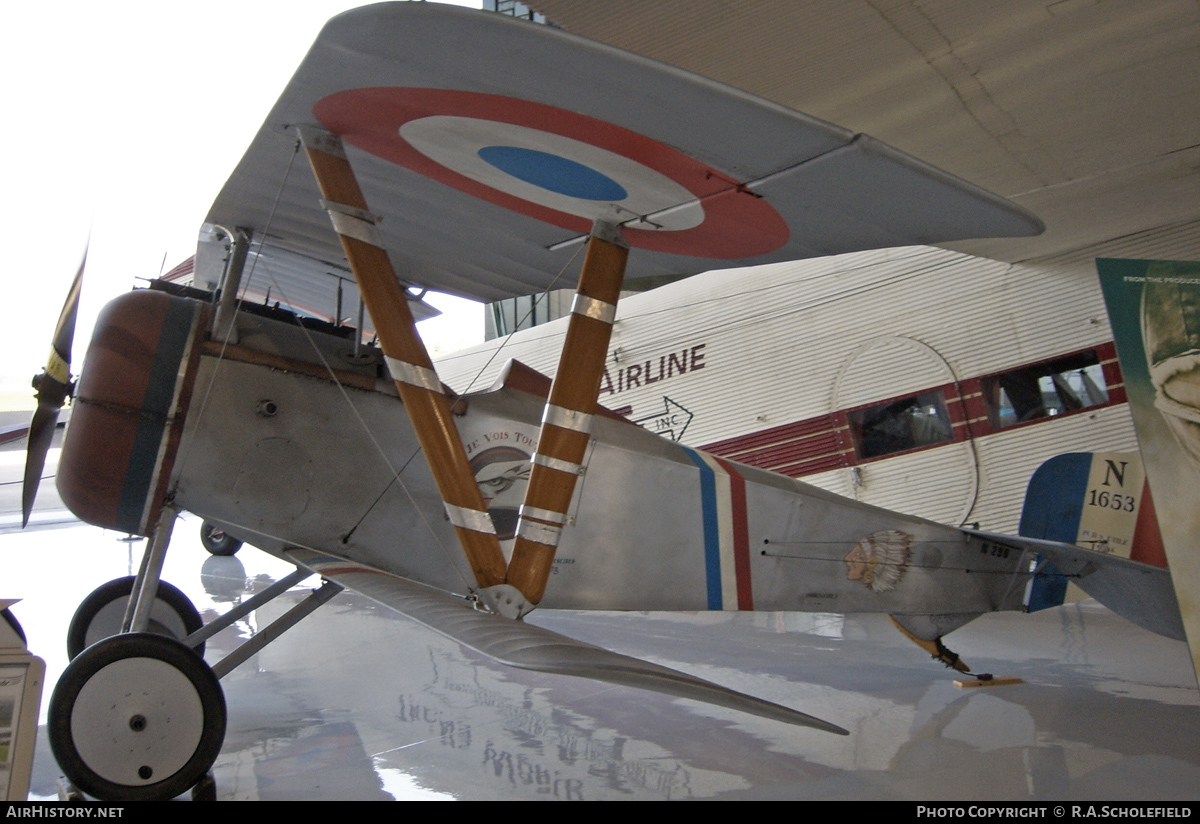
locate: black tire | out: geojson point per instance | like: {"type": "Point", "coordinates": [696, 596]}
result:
{"type": "Point", "coordinates": [15, 624]}
{"type": "Point", "coordinates": [101, 614]}
{"type": "Point", "coordinates": [137, 717]}
{"type": "Point", "coordinates": [217, 541]}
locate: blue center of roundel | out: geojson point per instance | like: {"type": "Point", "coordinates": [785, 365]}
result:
{"type": "Point", "coordinates": [553, 173]}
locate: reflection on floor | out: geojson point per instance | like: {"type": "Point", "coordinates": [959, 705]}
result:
{"type": "Point", "coordinates": [358, 703]}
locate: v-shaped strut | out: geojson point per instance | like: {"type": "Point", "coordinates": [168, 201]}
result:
{"type": "Point", "coordinates": [569, 412]}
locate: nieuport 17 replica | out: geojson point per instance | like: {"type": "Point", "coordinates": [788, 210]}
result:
{"type": "Point", "coordinates": [483, 156]}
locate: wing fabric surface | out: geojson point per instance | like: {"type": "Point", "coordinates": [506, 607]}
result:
{"type": "Point", "coordinates": [524, 646]}
{"type": "Point", "coordinates": [702, 175]}
{"type": "Point", "coordinates": [1138, 592]}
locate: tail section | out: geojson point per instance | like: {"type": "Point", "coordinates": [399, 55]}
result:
{"type": "Point", "coordinates": [1100, 502]}
{"type": "Point", "coordinates": [1097, 500]}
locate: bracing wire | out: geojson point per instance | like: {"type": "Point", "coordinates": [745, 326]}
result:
{"type": "Point", "coordinates": [241, 298]}
{"type": "Point", "coordinates": [516, 326]}
{"type": "Point", "coordinates": [470, 385]}
{"type": "Point", "coordinates": [333, 375]}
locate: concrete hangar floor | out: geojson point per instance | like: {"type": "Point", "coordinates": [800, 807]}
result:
{"type": "Point", "coordinates": [357, 702]}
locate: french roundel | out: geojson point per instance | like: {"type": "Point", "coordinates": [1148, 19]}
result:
{"type": "Point", "coordinates": [561, 167]}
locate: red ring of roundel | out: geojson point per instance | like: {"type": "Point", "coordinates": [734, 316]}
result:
{"type": "Point", "coordinates": [736, 224]}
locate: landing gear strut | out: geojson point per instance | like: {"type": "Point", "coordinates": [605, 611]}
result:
{"type": "Point", "coordinates": [138, 714]}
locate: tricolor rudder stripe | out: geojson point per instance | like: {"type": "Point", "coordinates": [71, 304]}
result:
{"type": "Point", "coordinates": [726, 532]}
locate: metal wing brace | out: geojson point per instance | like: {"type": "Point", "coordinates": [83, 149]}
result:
{"type": "Point", "coordinates": [524, 646]}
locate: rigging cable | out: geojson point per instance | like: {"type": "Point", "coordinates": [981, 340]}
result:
{"type": "Point", "coordinates": [452, 558]}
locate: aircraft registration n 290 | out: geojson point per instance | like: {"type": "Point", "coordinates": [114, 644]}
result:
{"type": "Point", "coordinates": [474, 154]}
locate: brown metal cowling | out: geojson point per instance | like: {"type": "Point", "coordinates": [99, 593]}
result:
{"type": "Point", "coordinates": [129, 407]}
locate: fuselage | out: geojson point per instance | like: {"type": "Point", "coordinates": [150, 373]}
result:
{"type": "Point", "coordinates": [287, 440]}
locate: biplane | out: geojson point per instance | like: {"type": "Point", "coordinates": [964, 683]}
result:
{"type": "Point", "coordinates": [487, 157]}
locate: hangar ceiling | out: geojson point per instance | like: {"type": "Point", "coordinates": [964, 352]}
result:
{"type": "Point", "coordinates": [1087, 112]}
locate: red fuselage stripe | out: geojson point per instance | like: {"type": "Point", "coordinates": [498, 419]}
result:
{"type": "Point", "coordinates": [741, 535]}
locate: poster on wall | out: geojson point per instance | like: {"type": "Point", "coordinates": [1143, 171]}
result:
{"type": "Point", "coordinates": [12, 684]}
{"type": "Point", "coordinates": [1154, 308]}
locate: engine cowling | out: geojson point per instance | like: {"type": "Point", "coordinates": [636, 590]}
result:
{"type": "Point", "coordinates": [129, 409]}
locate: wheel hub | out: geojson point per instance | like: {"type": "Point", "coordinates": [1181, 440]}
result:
{"type": "Point", "coordinates": [137, 717]}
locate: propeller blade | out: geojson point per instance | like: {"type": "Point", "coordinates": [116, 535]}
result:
{"type": "Point", "coordinates": [53, 386]}
{"type": "Point", "coordinates": [64, 333]}
{"type": "Point", "coordinates": [41, 433]}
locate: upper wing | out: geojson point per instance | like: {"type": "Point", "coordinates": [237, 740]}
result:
{"type": "Point", "coordinates": [487, 142]}
{"type": "Point", "coordinates": [522, 645]}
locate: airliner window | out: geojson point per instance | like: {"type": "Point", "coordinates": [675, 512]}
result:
{"type": "Point", "coordinates": [1043, 390]}
{"type": "Point", "coordinates": [895, 426]}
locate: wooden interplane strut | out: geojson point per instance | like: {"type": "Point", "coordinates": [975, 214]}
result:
{"type": "Point", "coordinates": [406, 356]}
{"type": "Point", "coordinates": [567, 419]}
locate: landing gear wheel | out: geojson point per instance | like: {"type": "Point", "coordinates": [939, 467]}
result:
{"type": "Point", "coordinates": [218, 541]}
{"type": "Point", "coordinates": [12, 621]}
{"type": "Point", "coordinates": [137, 717]}
{"type": "Point", "coordinates": [102, 613]}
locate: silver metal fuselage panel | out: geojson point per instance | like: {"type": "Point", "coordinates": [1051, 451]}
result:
{"type": "Point", "coordinates": [653, 526]}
